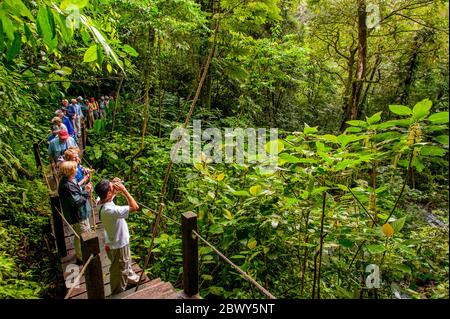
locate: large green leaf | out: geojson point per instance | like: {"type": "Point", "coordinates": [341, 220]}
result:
{"type": "Point", "coordinates": [66, 33]}
{"type": "Point", "coordinates": [14, 49]}
{"type": "Point", "coordinates": [422, 109]}
{"type": "Point", "coordinates": [275, 146]}
{"type": "Point", "coordinates": [400, 109]}
{"type": "Point", "coordinates": [7, 26]}
{"type": "Point", "coordinates": [17, 7]}
{"type": "Point", "coordinates": [403, 123]}
{"type": "Point", "coordinates": [46, 27]}
{"type": "Point", "coordinates": [439, 118]}
{"type": "Point", "coordinates": [432, 151]}
{"type": "Point", "coordinates": [398, 224]}
{"type": "Point", "coordinates": [91, 54]}
{"type": "Point", "coordinates": [443, 139]}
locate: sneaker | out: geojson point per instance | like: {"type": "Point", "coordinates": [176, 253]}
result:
{"type": "Point", "coordinates": [133, 279]}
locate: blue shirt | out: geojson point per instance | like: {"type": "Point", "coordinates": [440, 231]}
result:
{"type": "Point", "coordinates": [56, 148]}
{"type": "Point", "coordinates": [68, 124]}
{"type": "Point", "coordinates": [71, 110]}
{"type": "Point", "coordinates": [79, 175]}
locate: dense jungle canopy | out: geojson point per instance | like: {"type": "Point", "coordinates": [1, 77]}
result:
{"type": "Point", "coordinates": [358, 90]}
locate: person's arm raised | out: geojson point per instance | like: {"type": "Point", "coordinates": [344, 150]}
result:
{"type": "Point", "coordinates": [131, 202]}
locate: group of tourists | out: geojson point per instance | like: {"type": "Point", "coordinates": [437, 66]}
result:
{"type": "Point", "coordinates": [80, 112]}
{"type": "Point", "coordinates": [75, 190]}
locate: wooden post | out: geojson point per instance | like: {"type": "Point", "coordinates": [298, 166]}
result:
{"type": "Point", "coordinates": [83, 135]}
{"type": "Point", "coordinates": [190, 254]}
{"type": "Point", "coordinates": [94, 275]}
{"type": "Point", "coordinates": [58, 226]}
{"type": "Point", "coordinates": [37, 156]}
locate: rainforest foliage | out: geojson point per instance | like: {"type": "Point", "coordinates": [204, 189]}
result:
{"type": "Point", "coordinates": [358, 90]}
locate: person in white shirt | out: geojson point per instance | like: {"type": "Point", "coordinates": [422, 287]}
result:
{"type": "Point", "coordinates": [117, 237]}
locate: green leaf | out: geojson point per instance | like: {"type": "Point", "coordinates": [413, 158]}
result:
{"type": "Point", "coordinates": [439, 118]}
{"type": "Point", "coordinates": [216, 229]}
{"type": "Point", "coordinates": [227, 214]}
{"type": "Point", "coordinates": [398, 224]}
{"type": "Point", "coordinates": [17, 7]}
{"type": "Point", "coordinates": [252, 243]}
{"type": "Point", "coordinates": [344, 139]}
{"type": "Point", "coordinates": [418, 164]}
{"type": "Point", "coordinates": [353, 129]}
{"type": "Point", "coordinates": [7, 26]}
{"type": "Point", "coordinates": [403, 123]}
{"type": "Point", "coordinates": [14, 49]}
{"type": "Point", "coordinates": [400, 109]}
{"type": "Point", "coordinates": [308, 130]}
{"type": "Point", "coordinates": [432, 151]}
{"type": "Point", "coordinates": [357, 123]}
{"type": "Point", "coordinates": [375, 249]}
{"type": "Point", "coordinates": [74, 3]}
{"type": "Point", "coordinates": [319, 190]}
{"type": "Point", "coordinates": [374, 118]}
{"type": "Point", "coordinates": [422, 109]}
{"type": "Point", "coordinates": [241, 193]}
{"type": "Point", "coordinates": [100, 56]}
{"type": "Point", "coordinates": [275, 146]}
{"type": "Point", "coordinates": [91, 54]}
{"type": "Point", "coordinates": [287, 158]}
{"type": "Point", "coordinates": [443, 139]}
{"type": "Point", "coordinates": [345, 242]}
{"type": "Point", "coordinates": [130, 50]}
{"type": "Point", "coordinates": [46, 27]}
{"type": "Point", "coordinates": [66, 33]}
{"type": "Point", "coordinates": [330, 138]}
{"type": "Point", "coordinates": [255, 190]}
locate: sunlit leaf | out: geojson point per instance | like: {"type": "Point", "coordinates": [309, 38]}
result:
{"type": "Point", "coordinates": [255, 190]}
{"type": "Point", "coordinates": [422, 109]}
{"type": "Point", "coordinates": [400, 109]}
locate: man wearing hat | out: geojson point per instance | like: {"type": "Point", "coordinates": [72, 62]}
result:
{"type": "Point", "coordinates": [59, 145]}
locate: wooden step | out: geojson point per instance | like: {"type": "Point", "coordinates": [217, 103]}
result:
{"type": "Point", "coordinates": [152, 290]}
{"type": "Point", "coordinates": [161, 290]}
{"type": "Point", "coordinates": [132, 290]}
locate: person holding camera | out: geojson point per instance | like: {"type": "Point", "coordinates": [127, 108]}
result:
{"type": "Point", "coordinates": [83, 174]}
{"type": "Point", "coordinates": [74, 203]}
{"type": "Point", "coordinates": [117, 237]}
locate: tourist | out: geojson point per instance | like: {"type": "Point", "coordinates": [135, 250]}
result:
{"type": "Point", "coordinates": [66, 121]}
{"type": "Point", "coordinates": [74, 203]}
{"type": "Point", "coordinates": [58, 146]}
{"type": "Point", "coordinates": [117, 238]}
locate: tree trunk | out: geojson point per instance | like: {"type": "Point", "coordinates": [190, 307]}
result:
{"type": "Point", "coordinates": [357, 85]}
